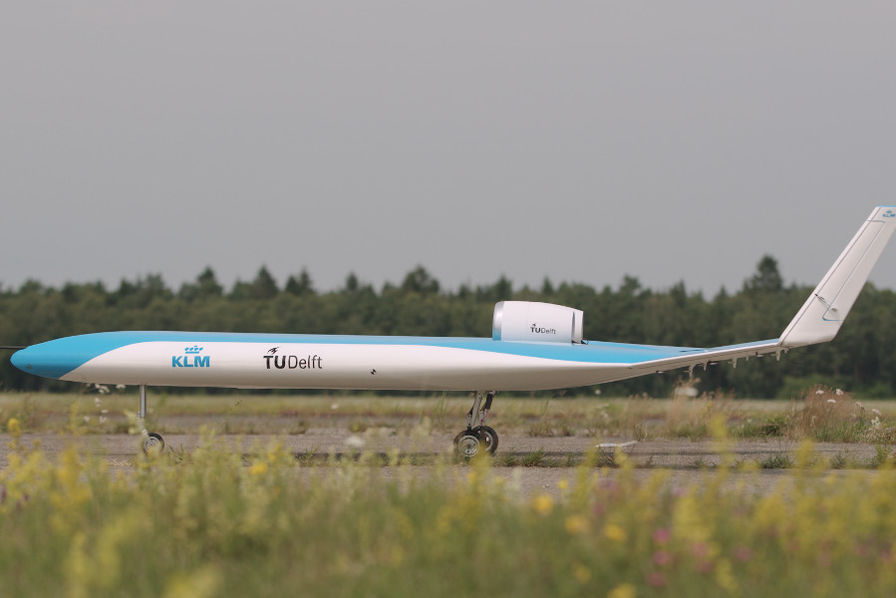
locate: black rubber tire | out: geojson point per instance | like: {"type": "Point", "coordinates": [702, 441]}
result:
{"type": "Point", "coordinates": [153, 441]}
{"type": "Point", "coordinates": [488, 437]}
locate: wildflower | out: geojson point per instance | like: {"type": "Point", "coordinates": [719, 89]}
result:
{"type": "Point", "coordinates": [838, 392]}
{"type": "Point", "coordinates": [614, 532]}
{"type": "Point", "coordinates": [876, 412]}
{"type": "Point", "coordinates": [576, 524]}
{"type": "Point", "coordinates": [120, 386]}
{"type": "Point", "coordinates": [13, 426]}
{"type": "Point", "coordinates": [662, 558]}
{"type": "Point", "coordinates": [258, 469]}
{"type": "Point", "coordinates": [543, 504]}
{"type": "Point", "coordinates": [624, 590]}
{"type": "Point", "coordinates": [656, 579]}
{"type": "Point", "coordinates": [563, 484]}
{"type": "Point", "coordinates": [819, 392]}
{"type": "Point", "coordinates": [661, 535]}
{"type": "Point", "coordinates": [581, 573]}
{"type": "Point", "coordinates": [832, 401]}
{"type": "Point", "coordinates": [334, 406]}
{"type": "Point", "coordinates": [97, 401]}
{"type": "Point", "coordinates": [724, 576]}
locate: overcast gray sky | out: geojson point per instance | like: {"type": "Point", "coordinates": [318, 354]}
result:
{"type": "Point", "coordinates": [575, 140]}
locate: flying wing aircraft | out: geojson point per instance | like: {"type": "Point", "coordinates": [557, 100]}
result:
{"type": "Point", "coordinates": [534, 346]}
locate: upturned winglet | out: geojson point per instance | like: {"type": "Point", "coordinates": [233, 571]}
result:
{"type": "Point", "coordinates": [827, 306]}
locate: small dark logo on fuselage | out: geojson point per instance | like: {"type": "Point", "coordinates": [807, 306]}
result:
{"type": "Point", "coordinates": [536, 329]}
{"type": "Point", "coordinates": [293, 362]}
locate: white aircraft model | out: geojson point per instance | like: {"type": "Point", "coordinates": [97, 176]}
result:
{"type": "Point", "coordinates": [534, 346]}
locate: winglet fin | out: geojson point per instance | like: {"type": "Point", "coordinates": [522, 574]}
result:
{"type": "Point", "coordinates": [819, 319]}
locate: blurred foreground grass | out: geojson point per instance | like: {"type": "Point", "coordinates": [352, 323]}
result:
{"type": "Point", "coordinates": [212, 523]}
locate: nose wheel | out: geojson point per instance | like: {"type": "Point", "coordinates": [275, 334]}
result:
{"type": "Point", "coordinates": [477, 437]}
{"type": "Point", "coordinates": [153, 443]}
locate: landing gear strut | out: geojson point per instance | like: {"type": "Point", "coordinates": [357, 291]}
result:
{"type": "Point", "coordinates": [477, 437]}
{"type": "Point", "coordinates": [152, 441]}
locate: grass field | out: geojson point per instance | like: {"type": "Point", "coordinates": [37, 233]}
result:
{"type": "Point", "coordinates": [825, 415]}
{"type": "Point", "coordinates": [215, 522]}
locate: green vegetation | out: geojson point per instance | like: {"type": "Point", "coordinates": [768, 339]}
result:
{"type": "Point", "coordinates": [213, 523]}
{"type": "Point", "coordinates": [862, 358]}
{"type": "Point", "coordinates": [822, 414]}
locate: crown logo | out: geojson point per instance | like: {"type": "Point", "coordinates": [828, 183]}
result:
{"type": "Point", "coordinates": [889, 214]}
{"type": "Point", "coordinates": [193, 349]}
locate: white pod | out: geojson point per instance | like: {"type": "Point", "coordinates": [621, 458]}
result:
{"type": "Point", "coordinates": [530, 321]}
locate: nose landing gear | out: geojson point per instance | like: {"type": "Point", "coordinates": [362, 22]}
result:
{"type": "Point", "coordinates": [477, 437]}
{"type": "Point", "coordinates": [152, 441]}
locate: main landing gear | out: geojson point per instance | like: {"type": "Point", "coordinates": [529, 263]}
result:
{"type": "Point", "coordinates": [477, 437]}
{"type": "Point", "coordinates": [152, 441]}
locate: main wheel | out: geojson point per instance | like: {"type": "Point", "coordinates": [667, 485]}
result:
{"type": "Point", "coordinates": [153, 443]}
{"type": "Point", "coordinates": [467, 444]}
{"type": "Point", "coordinates": [488, 437]}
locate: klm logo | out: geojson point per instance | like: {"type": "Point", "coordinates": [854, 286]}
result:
{"type": "Point", "coordinates": [192, 359]}
{"type": "Point", "coordinates": [889, 214]}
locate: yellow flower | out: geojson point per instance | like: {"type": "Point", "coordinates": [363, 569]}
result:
{"type": "Point", "coordinates": [576, 524]}
{"type": "Point", "coordinates": [615, 533]}
{"type": "Point", "coordinates": [258, 469]}
{"type": "Point", "coordinates": [625, 590]}
{"type": "Point", "coordinates": [563, 484]}
{"type": "Point", "coordinates": [543, 504]}
{"type": "Point", "coordinates": [581, 573]}
{"type": "Point", "coordinates": [13, 426]}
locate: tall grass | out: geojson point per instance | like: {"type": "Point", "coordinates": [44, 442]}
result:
{"type": "Point", "coordinates": [214, 523]}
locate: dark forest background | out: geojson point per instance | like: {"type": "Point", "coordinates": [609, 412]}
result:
{"type": "Point", "coordinates": [861, 359]}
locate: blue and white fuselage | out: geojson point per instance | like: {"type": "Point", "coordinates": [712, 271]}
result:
{"type": "Point", "coordinates": [346, 362]}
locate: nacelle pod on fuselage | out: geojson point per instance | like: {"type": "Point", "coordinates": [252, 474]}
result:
{"type": "Point", "coordinates": [531, 321]}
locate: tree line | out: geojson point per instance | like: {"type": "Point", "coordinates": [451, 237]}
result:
{"type": "Point", "coordinates": [862, 358]}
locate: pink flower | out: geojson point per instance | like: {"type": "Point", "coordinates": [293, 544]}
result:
{"type": "Point", "coordinates": [661, 535]}
{"type": "Point", "coordinates": [743, 554]}
{"type": "Point", "coordinates": [699, 550]}
{"type": "Point", "coordinates": [662, 558]}
{"type": "Point", "coordinates": [656, 579]}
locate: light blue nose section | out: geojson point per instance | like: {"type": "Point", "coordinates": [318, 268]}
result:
{"type": "Point", "coordinates": [49, 360]}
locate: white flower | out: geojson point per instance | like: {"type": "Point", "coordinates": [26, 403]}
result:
{"type": "Point", "coordinates": [120, 386]}
{"type": "Point", "coordinates": [86, 419]}
{"type": "Point", "coordinates": [832, 401]}
{"type": "Point", "coordinates": [875, 412]}
{"type": "Point", "coordinates": [354, 441]}
{"type": "Point", "coordinates": [103, 419]}
{"type": "Point", "coordinates": [334, 406]}
{"type": "Point", "coordinates": [838, 392]}
{"type": "Point", "coordinates": [819, 392]}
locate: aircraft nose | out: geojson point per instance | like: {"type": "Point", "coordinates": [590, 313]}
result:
{"type": "Point", "coordinates": [43, 360]}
